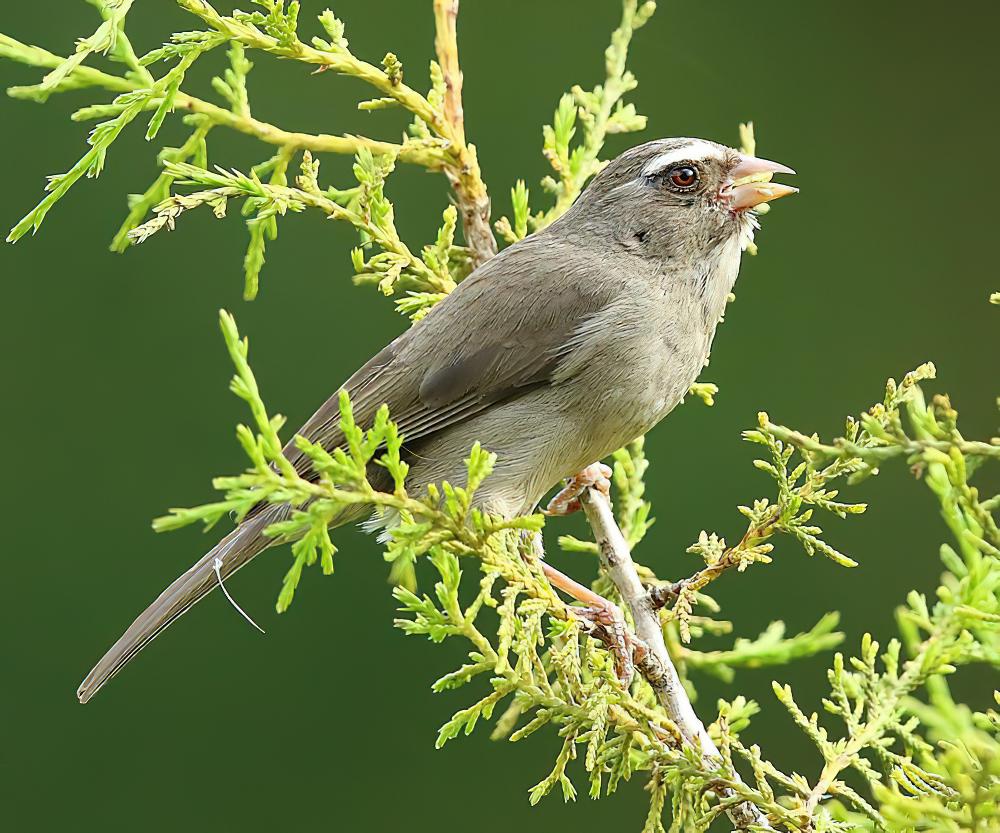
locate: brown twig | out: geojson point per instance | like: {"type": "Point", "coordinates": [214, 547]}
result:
{"type": "Point", "coordinates": [463, 172]}
{"type": "Point", "coordinates": [755, 535]}
{"type": "Point", "coordinates": [446, 46]}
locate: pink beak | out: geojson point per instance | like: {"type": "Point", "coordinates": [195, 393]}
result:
{"type": "Point", "coordinates": [750, 183]}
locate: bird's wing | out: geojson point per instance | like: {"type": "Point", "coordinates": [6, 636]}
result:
{"type": "Point", "coordinates": [505, 330]}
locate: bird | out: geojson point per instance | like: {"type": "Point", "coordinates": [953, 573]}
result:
{"type": "Point", "coordinates": [565, 346]}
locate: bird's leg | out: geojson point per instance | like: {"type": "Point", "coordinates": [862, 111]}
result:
{"type": "Point", "coordinates": [605, 619]}
{"type": "Point", "coordinates": [567, 500]}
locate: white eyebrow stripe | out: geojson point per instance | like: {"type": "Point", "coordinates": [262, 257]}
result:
{"type": "Point", "coordinates": [693, 150]}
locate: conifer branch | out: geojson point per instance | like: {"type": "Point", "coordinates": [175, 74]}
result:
{"type": "Point", "coordinates": [599, 112]}
{"type": "Point", "coordinates": [594, 114]}
{"type": "Point", "coordinates": [427, 153]}
{"type": "Point", "coordinates": [616, 558]}
{"type": "Point", "coordinates": [920, 758]}
{"type": "Point", "coordinates": [443, 118]}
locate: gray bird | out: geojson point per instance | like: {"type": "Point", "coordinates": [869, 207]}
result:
{"type": "Point", "coordinates": [559, 350]}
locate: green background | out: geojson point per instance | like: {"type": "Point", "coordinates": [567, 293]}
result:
{"type": "Point", "coordinates": [115, 404]}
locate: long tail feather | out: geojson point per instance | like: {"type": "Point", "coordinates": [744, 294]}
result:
{"type": "Point", "coordinates": [238, 548]}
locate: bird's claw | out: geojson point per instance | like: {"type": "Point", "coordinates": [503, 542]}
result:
{"type": "Point", "coordinates": [607, 623]}
{"type": "Point", "coordinates": [567, 500]}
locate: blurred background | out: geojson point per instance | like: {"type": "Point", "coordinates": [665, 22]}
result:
{"type": "Point", "coordinates": [115, 405]}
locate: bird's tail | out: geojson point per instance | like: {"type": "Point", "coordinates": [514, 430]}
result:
{"type": "Point", "coordinates": [232, 552]}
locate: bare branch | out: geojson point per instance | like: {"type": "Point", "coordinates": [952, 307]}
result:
{"type": "Point", "coordinates": [463, 173]}
{"type": "Point", "coordinates": [446, 46]}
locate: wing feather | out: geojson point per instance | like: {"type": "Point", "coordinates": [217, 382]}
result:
{"type": "Point", "coordinates": [504, 331]}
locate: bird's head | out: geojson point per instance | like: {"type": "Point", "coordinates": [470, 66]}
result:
{"type": "Point", "coordinates": [672, 196]}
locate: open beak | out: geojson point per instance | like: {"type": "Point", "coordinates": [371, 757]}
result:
{"type": "Point", "coordinates": [750, 183]}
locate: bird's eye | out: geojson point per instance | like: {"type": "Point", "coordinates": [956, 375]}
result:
{"type": "Point", "coordinates": [683, 176]}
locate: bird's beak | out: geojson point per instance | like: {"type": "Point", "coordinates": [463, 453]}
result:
{"type": "Point", "coordinates": [750, 183]}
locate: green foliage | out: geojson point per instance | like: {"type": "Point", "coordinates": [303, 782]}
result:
{"type": "Point", "coordinates": [109, 37]}
{"type": "Point", "coordinates": [443, 519]}
{"type": "Point", "coordinates": [595, 114]}
{"type": "Point", "coordinates": [543, 665]}
{"type": "Point", "coordinates": [194, 150]}
{"type": "Point", "coordinates": [748, 144]}
{"type": "Point", "coordinates": [929, 765]}
{"type": "Point", "coordinates": [771, 647]}
{"type": "Point", "coordinates": [160, 95]}
{"type": "Point", "coordinates": [427, 278]}
{"type": "Point", "coordinates": [896, 751]}
{"type": "Point", "coordinates": [272, 29]}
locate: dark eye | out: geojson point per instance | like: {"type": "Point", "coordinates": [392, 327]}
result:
{"type": "Point", "coordinates": [683, 176]}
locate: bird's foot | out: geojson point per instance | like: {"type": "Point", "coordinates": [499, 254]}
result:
{"type": "Point", "coordinates": [607, 623]}
{"type": "Point", "coordinates": [567, 500]}
{"type": "Point", "coordinates": [602, 619]}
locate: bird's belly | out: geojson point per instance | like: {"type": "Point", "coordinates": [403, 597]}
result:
{"type": "Point", "coordinates": [539, 438]}
{"type": "Point", "coordinates": [556, 430]}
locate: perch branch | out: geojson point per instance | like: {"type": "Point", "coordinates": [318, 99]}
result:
{"type": "Point", "coordinates": [657, 666]}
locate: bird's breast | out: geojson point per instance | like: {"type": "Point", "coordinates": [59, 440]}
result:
{"type": "Point", "coordinates": [648, 356]}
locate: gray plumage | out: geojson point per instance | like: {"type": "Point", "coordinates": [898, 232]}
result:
{"type": "Point", "coordinates": [560, 349]}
